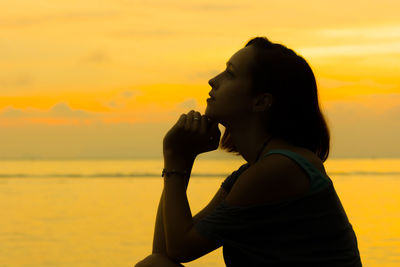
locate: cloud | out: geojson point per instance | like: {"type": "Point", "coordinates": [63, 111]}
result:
{"type": "Point", "coordinates": [394, 114]}
{"type": "Point", "coordinates": [54, 18]}
{"type": "Point", "coordinates": [147, 33]}
{"type": "Point", "coordinates": [203, 75]}
{"type": "Point", "coordinates": [361, 129]}
{"type": "Point", "coordinates": [112, 104]}
{"type": "Point", "coordinates": [188, 104]}
{"type": "Point", "coordinates": [98, 57]}
{"type": "Point", "coordinates": [19, 80]}
{"type": "Point", "coordinates": [11, 112]}
{"type": "Point", "coordinates": [121, 99]}
{"type": "Point", "coordinates": [358, 129]}
{"type": "Point", "coordinates": [63, 110]}
{"type": "Point", "coordinates": [59, 110]}
{"type": "Point", "coordinates": [372, 32]}
{"type": "Point", "coordinates": [334, 83]}
{"type": "Point", "coordinates": [351, 49]}
{"type": "Point", "coordinates": [183, 5]}
{"type": "Point", "coordinates": [210, 7]}
{"type": "Point", "coordinates": [124, 140]}
{"type": "Point", "coordinates": [132, 93]}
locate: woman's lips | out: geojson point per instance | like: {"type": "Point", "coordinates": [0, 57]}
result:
{"type": "Point", "coordinates": [210, 99]}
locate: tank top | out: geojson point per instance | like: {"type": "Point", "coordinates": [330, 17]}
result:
{"type": "Point", "coordinates": [310, 230]}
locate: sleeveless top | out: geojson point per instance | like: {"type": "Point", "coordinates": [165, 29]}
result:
{"type": "Point", "coordinates": [308, 230]}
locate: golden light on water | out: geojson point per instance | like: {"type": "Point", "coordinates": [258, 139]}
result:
{"type": "Point", "coordinates": [95, 218]}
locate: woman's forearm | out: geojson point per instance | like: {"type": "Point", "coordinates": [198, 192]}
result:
{"type": "Point", "coordinates": [177, 215]}
{"type": "Point", "coordinates": [159, 242]}
{"type": "Point", "coordinates": [159, 245]}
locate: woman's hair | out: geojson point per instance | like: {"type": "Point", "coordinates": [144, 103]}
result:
{"type": "Point", "coordinates": [295, 115]}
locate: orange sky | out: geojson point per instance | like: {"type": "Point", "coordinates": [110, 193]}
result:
{"type": "Point", "coordinates": [135, 62]}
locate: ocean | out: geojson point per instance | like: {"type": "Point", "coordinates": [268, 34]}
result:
{"type": "Point", "coordinates": [102, 212]}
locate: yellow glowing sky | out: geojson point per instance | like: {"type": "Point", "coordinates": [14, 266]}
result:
{"type": "Point", "coordinates": [85, 63]}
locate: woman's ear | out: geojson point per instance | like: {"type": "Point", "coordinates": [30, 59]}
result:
{"type": "Point", "coordinates": [262, 102]}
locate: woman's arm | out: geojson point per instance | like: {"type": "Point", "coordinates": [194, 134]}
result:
{"type": "Point", "coordinates": [183, 242]}
{"type": "Point", "coordinates": [159, 243]}
{"type": "Point", "coordinates": [159, 236]}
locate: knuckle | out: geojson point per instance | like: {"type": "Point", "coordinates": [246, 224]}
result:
{"type": "Point", "coordinates": [182, 117]}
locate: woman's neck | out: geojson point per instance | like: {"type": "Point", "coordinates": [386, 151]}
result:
{"type": "Point", "coordinates": [249, 142]}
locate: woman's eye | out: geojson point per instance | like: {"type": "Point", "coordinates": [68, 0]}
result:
{"type": "Point", "coordinates": [230, 73]}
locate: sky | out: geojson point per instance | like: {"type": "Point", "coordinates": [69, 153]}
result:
{"type": "Point", "coordinates": [107, 79]}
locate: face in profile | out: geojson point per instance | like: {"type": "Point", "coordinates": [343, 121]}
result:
{"type": "Point", "coordinates": [231, 89]}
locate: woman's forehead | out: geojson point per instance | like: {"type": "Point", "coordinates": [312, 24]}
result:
{"type": "Point", "coordinates": [242, 60]}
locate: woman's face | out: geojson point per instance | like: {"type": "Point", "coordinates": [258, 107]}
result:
{"type": "Point", "coordinates": [231, 89]}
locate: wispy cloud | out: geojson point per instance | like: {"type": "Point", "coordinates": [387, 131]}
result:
{"type": "Point", "coordinates": [158, 33]}
{"type": "Point", "coordinates": [59, 110]}
{"type": "Point", "coordinates": [219, 7]}
{"type": "Point", "coordinates": [372, 32]}
{"type": "Point", "coordinates": [98, 57]}
{"type": "Point", "coordinates": [16, 81]}
{"type": "Point", "coordinates": [121, 99]}
{"type": "Point", "coordinates": [203, 75]}
{"type": "Point", "coordinates": [384, 39]}
{"type": "Point", "coordinates": [326, 83]}
{"type": "Point", "coordinates": [351, 49]}
{"type": "Point", "coordinates": [188, 104]}
{"type": "Point", "coordinates": [64, 110]}
{"type": "Point", "coordinates": [54, 18]}
{"type": "Point", "coordinates": [185, 5]}
{"type": "Point", "coordinates": [358, 129]}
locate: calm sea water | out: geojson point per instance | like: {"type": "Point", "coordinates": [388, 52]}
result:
{"type": "Point", "coordinates": [102, 213]}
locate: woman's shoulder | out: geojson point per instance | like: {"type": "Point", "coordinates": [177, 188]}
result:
{"type": "Point", "coordinates": [274, 178]}
{"type": "Point", "coordinates": [310, 156]}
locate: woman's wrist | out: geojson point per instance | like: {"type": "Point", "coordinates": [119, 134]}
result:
{"type": "Point", "coordinates": [178, 162]}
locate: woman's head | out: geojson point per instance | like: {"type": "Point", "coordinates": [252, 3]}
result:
{"type": "Point", "coordinates": [272, 74]}
{"type": "Point", "coordinates": [231, 90]}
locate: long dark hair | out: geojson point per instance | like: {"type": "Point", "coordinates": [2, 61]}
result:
{"type": "Point", "coordinates": [295, 115]}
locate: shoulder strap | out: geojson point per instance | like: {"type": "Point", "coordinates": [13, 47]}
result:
{"type": "Point", "coordinates": [317, 179]}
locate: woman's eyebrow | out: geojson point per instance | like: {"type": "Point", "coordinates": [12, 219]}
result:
{"type": "Point", "coordinates": [228, 63]}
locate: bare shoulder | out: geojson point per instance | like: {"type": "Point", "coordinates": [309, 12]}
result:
{"type": "Point", "coordinates": [274, 178]}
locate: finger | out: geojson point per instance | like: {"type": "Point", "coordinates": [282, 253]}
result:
{"type": "Point", "coordinates": [181, 121]}
{"type": "Point", "coordinates": [189, 120]}
{"type": "Point", "coordinates": [203, 124]}
{"type": "Point", "coordinates": [196, 121]}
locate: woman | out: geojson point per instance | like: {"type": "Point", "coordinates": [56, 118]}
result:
{"type": "Point", "coordinates": [278, 209]}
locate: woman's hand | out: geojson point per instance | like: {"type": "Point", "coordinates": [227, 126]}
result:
{"type": "Point", "coordinates": [190, 137]}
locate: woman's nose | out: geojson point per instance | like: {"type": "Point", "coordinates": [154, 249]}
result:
{"type": "Point", "coordinates": [212, 82]}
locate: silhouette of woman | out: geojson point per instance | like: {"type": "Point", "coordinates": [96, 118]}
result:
{"type": "Point", "coordinates": [280, 208]}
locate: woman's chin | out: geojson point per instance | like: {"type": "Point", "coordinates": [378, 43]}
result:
{"type": "Point", "coordinates": [211, 117]}
{"type": "Point", "coordinates": [208, 114]}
